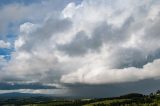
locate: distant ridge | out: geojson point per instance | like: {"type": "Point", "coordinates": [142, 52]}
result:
{"type": "Point", "coordinates": [17, 94]}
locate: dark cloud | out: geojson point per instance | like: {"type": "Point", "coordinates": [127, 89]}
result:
{"type": "Point", "coordinates": [153, 30]}
{"type": "Point", "coordinates": [16, 86]}
{"type": "Point", "coordinates": [102, 34]}
{"type": "Point", "coordinates": [78, 46]}
{"type": "Point", "coordinates": [110, 90]}
{"type": "Point", "coordinates": [43, 34]}
{"type": "Point", "coordinates": [131, 57]}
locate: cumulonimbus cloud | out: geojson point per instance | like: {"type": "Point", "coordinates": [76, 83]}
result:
{"type": "Point", "coordinates": [94, 42]}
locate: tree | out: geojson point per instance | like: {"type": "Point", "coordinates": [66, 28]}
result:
{"type": "Point", "coordinates": [158, 92]}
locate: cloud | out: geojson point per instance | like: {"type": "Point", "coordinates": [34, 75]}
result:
{"type": "Point", "coordinates": [4, 44]}
{"type": "Point", "coordinates": [15, 86]}
{"type": "Point", "coordinates": [94, 42]}
{"type": "Point", "coordinates": [3, 62]}
{"type": "Point", "coordinates": [129, 56]}
{"type": "Point", "coordinates": [52, 92]}
{"type": "Point", "coordinates": [114, 89]}
{"type": "Point", "coordinates": [15, 13]}
{"type": "Point", "coordinates": [101, 34]}
{"type": "Point", "coordinates": [104, 75]}
{"type": "Point", "coordinates": [34, 55]}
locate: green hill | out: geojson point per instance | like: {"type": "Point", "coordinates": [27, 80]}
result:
{"type": "Point", "coordinates": [133, 99]}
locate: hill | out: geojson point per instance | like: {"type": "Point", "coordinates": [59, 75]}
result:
{"type": "Point", "coordinates": [132, 99]}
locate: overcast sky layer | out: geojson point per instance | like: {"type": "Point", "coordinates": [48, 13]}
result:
{"type": "Point", "coordinates": [74, 47]}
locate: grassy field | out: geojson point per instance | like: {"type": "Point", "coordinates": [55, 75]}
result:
{"type": "Point", "coordinates": [106, 102]}
{"type": "Point", "coordinates": [134, 100]}
{"type": "Point", "coordinates": [125, 100]}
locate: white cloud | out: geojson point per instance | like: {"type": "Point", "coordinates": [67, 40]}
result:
{"type": "Point", "coordinates": [133, 49]}
{"type": "Point", "coordinates": [102, 75]}
{"type": "Point", "coordinates": [93, 42]}
{"type": "Point", "coordinates": [4, 44]}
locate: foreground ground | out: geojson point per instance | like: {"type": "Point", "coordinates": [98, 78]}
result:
{"type": "Point", "coordinates": [125, 100]}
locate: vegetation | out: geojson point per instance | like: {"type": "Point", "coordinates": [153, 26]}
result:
{"type": "Point", "coordinates": [133, 99]}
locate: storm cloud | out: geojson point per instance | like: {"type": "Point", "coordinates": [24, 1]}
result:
{"type": "Point", "coordinates": [89, 43]}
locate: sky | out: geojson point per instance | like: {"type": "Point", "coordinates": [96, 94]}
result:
{"type": "Point", "coordinates": [80, 48]}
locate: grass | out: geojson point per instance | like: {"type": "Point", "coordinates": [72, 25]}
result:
{"type": "Point", "coordinates": [107, 102]}
{"type": "Point", "coordinates": [125, 100]}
